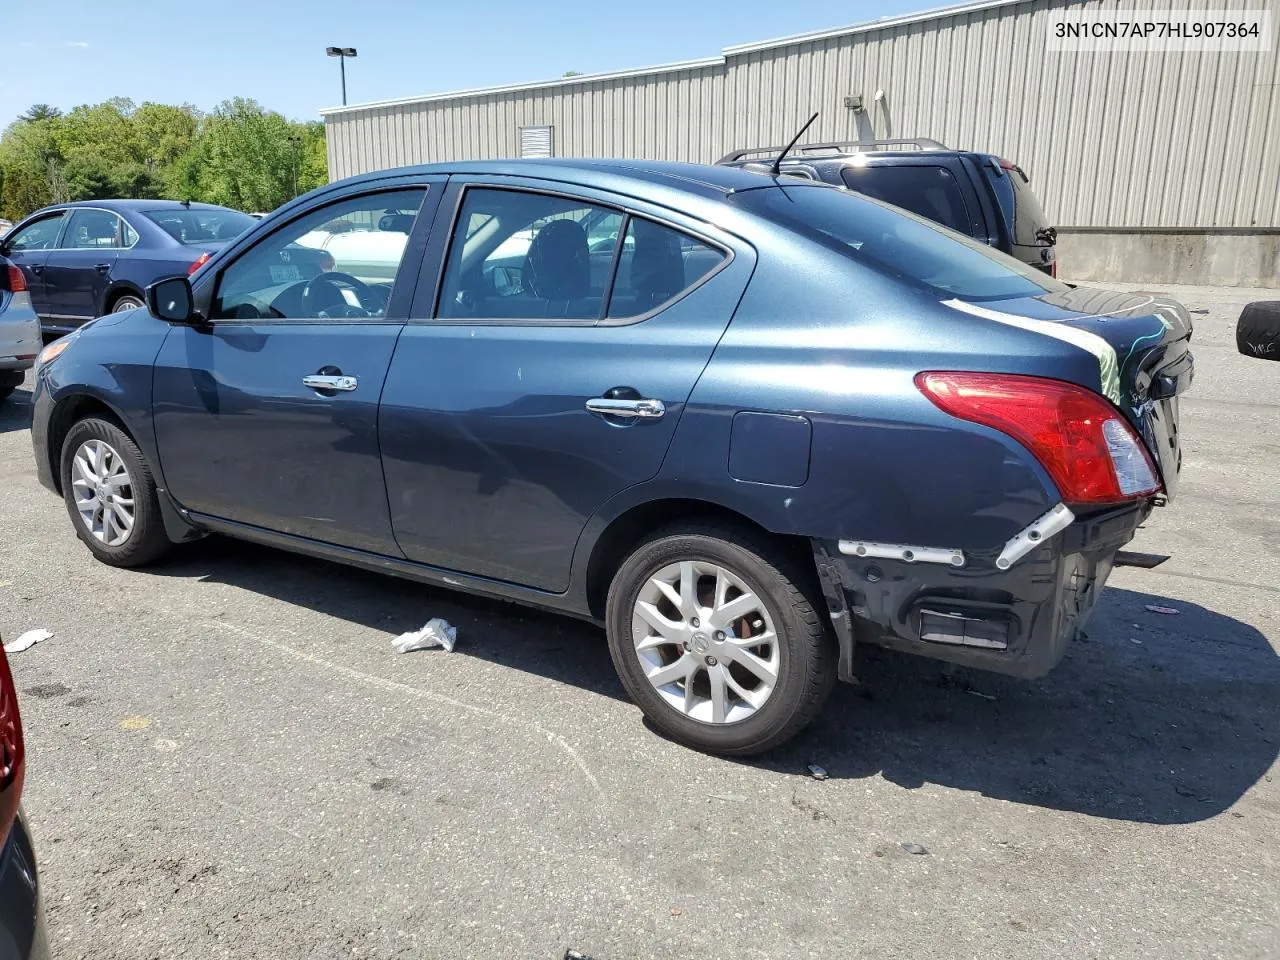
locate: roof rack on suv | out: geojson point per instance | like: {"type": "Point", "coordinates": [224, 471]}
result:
{"type": "Point", "coordinates": [836, 146]}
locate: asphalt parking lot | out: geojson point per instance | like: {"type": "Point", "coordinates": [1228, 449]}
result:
{"type": "Point", "coordinates": [227, 759]}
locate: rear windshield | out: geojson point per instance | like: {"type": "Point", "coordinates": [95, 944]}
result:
{"type": "Point", "coordinates": [897, 243]}
{"type": "Point", "coordinates": [200, 226]}
{"type": "Point", "coordinates": [1022, 214]}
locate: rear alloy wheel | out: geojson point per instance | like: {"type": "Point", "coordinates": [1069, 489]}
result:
{"type": "Point", "coordinates": [127, 302]}
{"type": "Point", "coordinates": [110, 495]}
{"type": "Point", "coordinates": [717, 642]}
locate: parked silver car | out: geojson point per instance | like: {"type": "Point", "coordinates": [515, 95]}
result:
{"type": "Point", "coordinates": [19, 329]}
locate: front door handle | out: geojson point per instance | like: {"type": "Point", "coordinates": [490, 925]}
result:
{"type": "Point", "coordinates": [321, 381]}
{"type": "Point", "coordinates": [37, 268]}
{"type": "Point", "coordinates": [628, 409]}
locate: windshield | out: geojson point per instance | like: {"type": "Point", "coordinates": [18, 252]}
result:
{"type": "Point", "coordinates": [201, 225]}
{"type": "Point", "coordinates": [897, 243]}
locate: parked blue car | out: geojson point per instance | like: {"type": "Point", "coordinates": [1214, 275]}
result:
{"type": "Point", "coordinates": [745, 422]}
{"type": "Point", "coordinates": [83, 260]}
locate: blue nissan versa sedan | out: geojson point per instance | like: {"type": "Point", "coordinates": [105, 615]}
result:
{"type": "Point", "coordinates": [81, 260]}
{"type": "Point", "coordinates": [744, 421]}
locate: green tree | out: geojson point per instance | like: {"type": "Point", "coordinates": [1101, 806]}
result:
{"type": "Point", "coordinates": [40, 111]}
{"type": "Point", "coordinates": [240, 155]}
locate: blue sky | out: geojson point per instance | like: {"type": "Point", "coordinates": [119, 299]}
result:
{"type": "Point", "coordinates": [66, 52]}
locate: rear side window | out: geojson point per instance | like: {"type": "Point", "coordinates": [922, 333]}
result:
{"type": "Point", "coordinates": [1022, 214]}
{"type": "Point", "coordinates": [897, 244]}
{"type": "Point", "coordinates": [930, 191]}
{"type": "Point", "coordinates": [92, 230]}
{"type": "Point", "coordinates": [517, 255]}
{"type": "Point", "coordinates": [657, 264]}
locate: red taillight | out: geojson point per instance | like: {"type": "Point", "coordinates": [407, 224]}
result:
{"type": "Point", "coordinates": [1053, 269]}
{"type": "Point", "coordinates": [200, 262]}
{"type": "Point", "coordinates": [17, 282]}
{"type": "Point", "coordinates": [1083, 442]}
{"type": "Point", "coordinates": [12, 751]}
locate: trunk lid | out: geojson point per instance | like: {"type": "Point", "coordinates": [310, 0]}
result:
{"type": "Point", "coordinates": [1142, 342]}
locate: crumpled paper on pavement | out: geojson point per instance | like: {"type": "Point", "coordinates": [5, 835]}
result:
{"type": "Point", "coordinates": [436, 633]}
{"type": "Point", "coordinates": [27, 640]}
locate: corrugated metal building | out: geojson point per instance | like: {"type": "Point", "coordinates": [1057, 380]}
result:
{"type": "Point", "coordinates": [1156, 166]}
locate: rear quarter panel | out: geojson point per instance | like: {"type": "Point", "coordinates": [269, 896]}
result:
{"type": "Point", "coordinates": [821, 337]}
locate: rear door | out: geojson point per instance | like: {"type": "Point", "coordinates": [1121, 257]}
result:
{"type": "Point", "coordinates": [78, 271]}
{"type": "Point", "coordinates": [542, 384]}
{"type": "Point", "coordinates": [28, 247]}
{"type": "Point", "coordinates": [267, 416]}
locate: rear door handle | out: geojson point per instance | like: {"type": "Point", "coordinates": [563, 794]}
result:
{"type": "Point", "coordinates": [320, 381]}
{"type": "Point", "coordinates": [102, 267]}
{"type": "Point", "coordinates": [628, 409]}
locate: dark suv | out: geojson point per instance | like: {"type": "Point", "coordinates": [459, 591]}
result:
{"type": "Point", "coordinates": [978, 194]}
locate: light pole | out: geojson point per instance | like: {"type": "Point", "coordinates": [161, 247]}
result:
{"type": "Point", "coordinates": [342, 53]}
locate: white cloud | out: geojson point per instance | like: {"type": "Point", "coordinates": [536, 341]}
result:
{"type": "Point", "coordinates": [82, 44]}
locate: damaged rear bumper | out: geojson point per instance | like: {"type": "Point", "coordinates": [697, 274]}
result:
{"type": "Point", "coordinates": [978, 609]}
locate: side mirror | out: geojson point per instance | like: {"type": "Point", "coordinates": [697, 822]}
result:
{"type": "Point", "coordinates": [1258, 332]}
{"type": "Point", "coordinates": [172, 300]}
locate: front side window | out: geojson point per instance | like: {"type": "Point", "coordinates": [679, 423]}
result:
{"type": "Point", "coordinates": [92, 230]}
{"type": "Point", "coordinates": [315, 268]}
{"type": "Point", "coordinates": [200, 225]}
{"type": "Point", "coordinates": [529, 256]}
{"type": "Point", "coordinates": [41, 235]}
{"type": "Point", "coordinates": [930, 191]}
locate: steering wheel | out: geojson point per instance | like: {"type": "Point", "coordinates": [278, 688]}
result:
{"type": "Point", "coordinates": [330, 279]}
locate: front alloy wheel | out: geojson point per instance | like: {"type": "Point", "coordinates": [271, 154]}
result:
{"type": "Point", "coordinates": [110, 495]}
{"type": "Point", "coordinates": [103, 492]}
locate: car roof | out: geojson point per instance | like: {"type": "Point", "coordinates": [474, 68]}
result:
{"type": "Point", "coordinates": [704, 179]}
{"type": "Point", "coordinates": [127, 205]}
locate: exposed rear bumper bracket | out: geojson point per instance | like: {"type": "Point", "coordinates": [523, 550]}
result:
{"type": "Point", "coordinates": [1034, 535]}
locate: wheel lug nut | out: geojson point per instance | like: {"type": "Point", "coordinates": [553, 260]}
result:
{"type": "Point", "coordinates": [697, 622]}
{"type": "Point", "coordinates": [719, 634]}
{"type": "Point", "coordinates": [712, 661]}
{"type": "Point", "coordinates": [686, 644]}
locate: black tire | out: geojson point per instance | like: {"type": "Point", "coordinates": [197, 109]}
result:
{"type": "Point", "coordinates": [807, 655]}
{"type": "Point", "coordinates": [147, 540]}
{"type": "Point", "coordinates": [127, 302]}
{"type": "Point", "coordinates": [5, 391]}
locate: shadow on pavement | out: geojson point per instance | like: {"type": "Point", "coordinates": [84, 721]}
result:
{"type": "Point", "coordinates": [522, 638]}
{"type": "Point", "coordinates": [1153, 718]}
{"type": "Point", "coordinates": [15, 412]}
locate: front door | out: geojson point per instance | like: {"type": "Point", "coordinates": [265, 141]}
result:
{"type": "Point", "coordinates": [268, 415]}
{"type": "Point", "coordinates": [28, 248]}
{"type": "Point", "coordinates": [78, 270]}
{"type": "Point", "coordinates": [545, 382]}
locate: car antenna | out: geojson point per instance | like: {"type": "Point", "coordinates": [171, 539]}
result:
{"type": "Point", "coordinates": [776, 168]}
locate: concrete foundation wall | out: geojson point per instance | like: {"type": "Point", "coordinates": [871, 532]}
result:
{"type": "Point", "coordinates": [1202, 258]}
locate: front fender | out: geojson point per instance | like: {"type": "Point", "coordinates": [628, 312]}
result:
{"type": "Point", "coordinates": [110, 363]}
